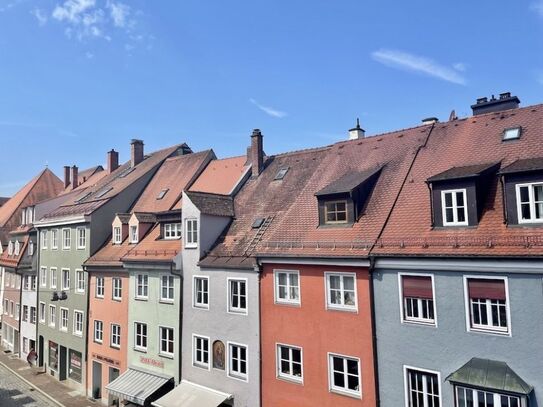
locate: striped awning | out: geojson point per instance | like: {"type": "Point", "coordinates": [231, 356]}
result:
{"type": "Point", "coordinates": [137, 385]}
{"type": "Point", "coordinates": [188, 394]}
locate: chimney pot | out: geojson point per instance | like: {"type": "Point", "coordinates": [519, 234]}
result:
{"type": "Point", "coordinates": [504, 102]}
{"type": "Point", "coordinates": [136, 152]}
{"type": "Point", "coordinates": [66, 176]}
{"type": "Point", "coordinates": [75, 180]}
{"type": "Point", "coordinates": [357, 132]}
{"type": "Point", "coordinates": [112, 161]}
{"type": "Point", "coordinates": [430, 120]}
{"type": "Point", "coordinates": [257, 153]}
{"type": "Point", "coordinates": [505, 95]}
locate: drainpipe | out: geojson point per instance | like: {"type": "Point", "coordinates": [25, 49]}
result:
{"type": "Point", "coordinates": [20, 314]}
{"type": "Point", "coordinates": [174, 272]}
{"type": "Point", "coordinates": [259, 270]}
{"type": "Point", "coordinates": [431, 189]}
{"type": "Point", "coordinates": [371, 271]}
{"type": "Point", "coordinates": [86, 381]}
{"type": "Point", "coordinates": [504, 199]}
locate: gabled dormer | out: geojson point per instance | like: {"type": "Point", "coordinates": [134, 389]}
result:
{"type": "Point", "coordinates": [457, 195]}
{"type": "Point", "coordinates": [10, 248]}
{"type": "Point", "coordinates": [342, 202]}
{"type": "Point", "coordinates": [17, 248]}
{"type": "Point", "coordinates": [138, 225]}
{"type": "Point", "coordinates": [522, 183]}
{"type": "Point", "coordinates": [170, 224]}
{"type": "Point", "coordinates": [119, 228]}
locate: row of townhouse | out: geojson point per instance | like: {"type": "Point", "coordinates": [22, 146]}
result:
{"type": "Point", "coordinates": [402, 269]}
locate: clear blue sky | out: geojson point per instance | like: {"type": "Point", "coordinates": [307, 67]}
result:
{"type": "Point", "coordinates": [80, 77]}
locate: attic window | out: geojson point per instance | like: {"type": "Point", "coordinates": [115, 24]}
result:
{"type": "Point", "coordinates": [335, 212]}
{"type": "Point", "coordinates": [126, 172]}
{"type": "Point", "coordinates": [512, 133]}
{"type": "Point", "coordinates": [162, 193]}
{"type": "Point", "coordinates": [281, 173]}
{"type": "Point", "coordinates": [103, 192]}
{"type": "Point", "coordinates": [257, 223]}
{"type": "Point", "coordinates": [84, 197]}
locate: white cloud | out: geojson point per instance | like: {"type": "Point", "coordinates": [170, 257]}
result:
{"type": "Point", "coordinates": [120, 13]}
{"type": "Point", "coordinates": [40, 16]}
{"type": "Point", "coordinates": [72, 10]}
{"type": "Point", "coordinates": [268, 110]}
{"type": "Point", "coordinates": [459, 66]}
{"type": "Point", "coordinates": [414, 63]}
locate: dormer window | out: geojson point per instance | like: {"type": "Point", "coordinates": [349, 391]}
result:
{"type": "Point", "coordinates": [134, 234]}
{"type": "Point", "coordinates": [335, 212]}
{"type": "Point", "coordinates": [17, 248]}
{"type": "Point", "coordinates": [281, 173]}
{"type": "Point", "coordinates": [172, 230]}
{"type": "Point", "coordinates": [31, 248]}
{"type": "Point", "coordinates": [530, 202]}
{"type": "Point", "coordinates": [117, 235]}
{"type": "Point", "coordinates": [10, 248]}
{"type": "Point", "coordinates": [511, 133]}
{"type": "Point", "coordinates": [455, 212]}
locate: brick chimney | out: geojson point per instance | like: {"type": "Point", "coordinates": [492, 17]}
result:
{"type": "Point", "coordinates": [74, 177]}
{"type": "Point", "coordinates": [257, 153]}
{"type": "Point", "coordinates": [66, 176]}
{"type": "Point", "coordinates": [112, 161]}
{"type": "Point", "coordinates": [136, 151]}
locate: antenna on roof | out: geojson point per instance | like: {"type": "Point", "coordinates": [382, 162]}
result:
{"type": "Point", "coordinates": [453, 116]}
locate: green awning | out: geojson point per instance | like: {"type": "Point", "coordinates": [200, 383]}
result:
{"type": "Point", "coordinates": [492, 375]}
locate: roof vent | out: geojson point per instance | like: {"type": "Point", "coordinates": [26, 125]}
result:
{"type": "Point", "coordinates": [504, 102]}
{"type": "Point", "coordinates": [430, 120]}
{"type": "Point", "coordinates": [357, 132]}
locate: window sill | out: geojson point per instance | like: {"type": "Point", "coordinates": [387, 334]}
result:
{"type": "Point", "coordinates": [489, 331]}
{"type": "Point", "coordinates": [141, 298]}
{"type": "Point", "coordinates": [431, 324]}
{"type": "Point", "coordinates": [202, 307]}
{"type": "Point", "coordinates": [166, 355]}
{"type": "Point", "coordinates": [141, 350]}
{"type": "Point", "coordinates": [347, 393]}
{"type": "Point", "coordinates": [79, 335]}
{"type": "Point", "coordinates": [116, 347]}
{"type": "Point", "coordinates": [191, 247]}
{"type": "Point", "coordinates": [201, 366]}
{"type": "Point", "coordinates": [241, 313]}
{"type": "Point", "coordinates": [341, 309]}
{"type": "Point", "coordinates": [292, 380]}
{"type": "Point", "coordinates": [168, 302]}
{"type": "Point", "coordinates": [240, 378]}
{"type": "Point", "coordinates": [288, 304]}
{"type": "Point", "coordinates": [117, 299]}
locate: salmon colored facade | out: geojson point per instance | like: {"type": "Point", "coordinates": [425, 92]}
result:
{"type": "Point", "coordinates": [318, 331]}
{"type": "Point", "coordinates": [103, 358]}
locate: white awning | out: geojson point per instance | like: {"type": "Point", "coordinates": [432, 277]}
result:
{"type": "Point", "coordinates": [188, 394]}
{"type": "Point", "coordinates": [137, 385]}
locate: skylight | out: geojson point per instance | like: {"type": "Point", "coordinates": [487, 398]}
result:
{"type": "Point", "coordinates": [257, 223]}
{"type": "Point", "coordinates": [103, 192]}
{"type": "Point", "coordinates": [281, 173]}
{"type": "Point", "coordinates": [512, 133]}
{"type": "Point", "coordinates": [162, 193]}
{"type": "Point", "coordinates": [84, 197]}
{"type": "Point", "coordinates": [126, 172]}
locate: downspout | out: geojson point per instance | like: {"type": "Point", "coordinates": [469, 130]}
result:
{"type": "Point", "coordinates": [259, 270]}
{"type": "Point", "coordinates": [371, 271]}
{"type": "Point", "coordinates": [20, 314]}
{"type": "Point", "coordinates": [180, 305]}
{"type": "Point", "coordinates": [431, 189]}
{"type": "Point", "coordinates": [504, 199]}
{"type": "Point", "coordinates": [87, 333]}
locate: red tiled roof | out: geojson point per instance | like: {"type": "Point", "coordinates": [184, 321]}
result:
{"type": "Point", "coordinates": [152, 248]}
{"type": "Point", "coordinates": [87, 178]}
{"type": "Point", "coordinates": [221, 176]}
{"type": "Point", "coordinates": [13, 261]}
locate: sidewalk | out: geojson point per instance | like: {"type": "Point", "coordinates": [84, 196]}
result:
{"type": "Point", "coordinates": [45, 384]}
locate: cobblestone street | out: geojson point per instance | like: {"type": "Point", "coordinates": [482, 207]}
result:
{"type": "Point", "coordinates": [14, 392]}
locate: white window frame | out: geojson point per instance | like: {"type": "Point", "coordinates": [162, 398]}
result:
{"type": "Point", "coordinates": [340, 307]}
{"type": "Point", "coordinates": [115, 337]}
{"type": "Point", "coordinates": [412, 320]}
{"type": "Point", "coordinates": [161, 329]}
{"type": "Point", "coordinates": [100, 289]}
{"type": "Point", "coordinates": [145, 287]}
{"type": "Point", "coordinates": [63, 273]}
{"type": "Point", "coordinates": [17, 248]}
{"type": "Point", "coordinates": [79, 278]}
{"type": "Point", "coordinates": [25, 313]}
{"type": "Point", "coordinates": [195, 303]}
{"type": "Point", "coordinates": [140, 347]}
{"type": "Point", "coordinates": [467, 306]}
{"type": "Point", "coordinates": [32, 315]}
{"type": "Point", "coordinates": [336, 212]}
{"type": "Point", "coordinates": [167, 300]}
{"type": "Point", "coordinates": [62, 327]}
{"type": "Point", "coordinates": [495, 396]}
{"type": "Point", "coordinates": [454, 207]}
{"type": "Point", "coordinates": [44, 236]}
{"type": "Point", "coordinates": [236, 310]}
{"type": "Point", "coordinates": [31, 248]}
{"type": "Point", "coordinates": [339, 390]}
{"type": "Point", "coordinates": [134, 233]}
{"type": "Point", "coordinates": [287, 301]}
{"type": "Point", "coordinates": [67, 238]}
{"type": "Point", "coordinates": [172, 231]}
{"type": "Point", "coordinates": [531, 201]}
{"type": "Point", "coordinates": [230, 373]}
{"type": "Point", "coordinates": [81, 238]}
{"type": "Point", "coordinates": [42, 310]}
{"type": "Point", "coordinates": [52, 316]}
{"type": "Point", "coordinates": [17, 311]}
{"type": "Point", "coordinates": [195, 362]}
{"type": "Point", "coordinates": [76, 331]}
{"type": "Point", "coordinates": [117, 235]}
{"type": "Point", "coordinates": [10, 248]}
{"type": "Point", "coordinates": [192, 224]}
{"type": "Point", "coordinates": [43, 276]}
{"type": "Point", "coordinates": [98, 338]}
{"type": "Point", "coordinates": [117, 291]}
{"type": "Point", "coordinates": [279, 373]}
{"type": "Point", "coordinates": [53, 278]}
{"type": "Point", "coordinates": [406, 383]}
{"type": "Point", "coordinates": [54, 239]}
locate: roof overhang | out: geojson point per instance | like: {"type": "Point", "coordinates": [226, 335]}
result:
{"type": "Point", "coordinates": [62, 221]}
{"type": "Point", "coordinates": [188, 394]}
{"type": "Point", "coordinates": [454, 264]}
{"type": "Point", "coordinates": [332, 261]}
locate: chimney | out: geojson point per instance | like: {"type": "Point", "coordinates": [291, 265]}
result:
{"type": "Point", "coordinates": [257, 153]}
{"type": "Point", "coordinates": [430, 120]}
{"type": "Point", "coordinates": [504, 102]}
{"type": "Point", "coordinates": [357, 132]}
{"type": "Point", "coordinates": [75, 180]}
{"type": "Point", "coordinates": [136, 151]}
{"type": "Point", "coordinates": [66, 176]}
{"type": "Point", "coordinates": [112, 161]}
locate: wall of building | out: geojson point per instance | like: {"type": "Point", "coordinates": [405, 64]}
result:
{"type": "Point", "coordinates": [28, 329]}
{"type": "Point", "coordinates": [449, 346]}
{"type": "Point", "coordinates": [317, 331]}
{"type": "Point", "coordinates": [10, 320]}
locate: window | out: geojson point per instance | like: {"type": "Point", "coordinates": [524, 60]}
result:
{"type": "Point", "coordinates": [200, 355]}
{"type": "Point", "coordinates": [140, 338]}
{"type": "Point", "coordinates": [6, 307]}
{"type": "Point", "coordinates": [281, 173]}
{"type": "Point", "coordinates": [17, 248]}
{"type": "Point", "coordinates": [417, 298]}
{"type": "Point", "coordinates": [65, 279]}
{"type": "Point", "coordinates": [10, 248]}
{"type": "Point", "coordinates": [344, 374]}
{"type": "Point", "coordinates": [341, 291]}
{"type": "Point", "coordinates": [117, 287]}
{"type": "Point", "coordinates": [172, 230]}
{"type": "Point", "coordinates": [31, 248]}
{"type": "Point", "coordinates": [287, 287]}
{"type": "Point", "coordinates": [43, 235]}
{"type": "Point", "coordinates": [54, 239]}
{"type": "Point", "coordinates": [66, 239]}
{"type": "Point", "coordinates": [512, 133]}
{"type": "Point", "coordinates": [79, 281]}
{"type": "Point", "coordinates": [335, 212]}
{"type": "Point", "coordinates": [81, 238]}
{"type": "Point", "coordinates": [134, 234]}
{"type": "Point", "coordinates": [100, 287]}
{"type": "Point", "coordinates": [53, 278]}
{"type": "Point", "coordinates": [191, 237]}
{"type": "Point", "coordinates": [117, 235]}
{"type": "Point", "coordinates": [98, 331]}
{"type": "Point", "coordinates": [52, 315]}
{"type": "Point", "coordinates": [422, 388]}
{"type": "Point", "coordinates": [455, 211]}
{"type": "Point", "coordinates": [63, 319]}
{"type": "Point", "coordinates": [33, 315]}
{"type": "Point", "coordinates": [466, 397]}
{"type": "Point", "coordinates": [33, 280]}
{"type": "Point", "coordinates": [530, 202]}
{"type": "Point", "coordinates": [289, 363]}
{"type": "Point", "coordinates": [201, 292]}
{"type": "Point", "coordinates": [11, 308]}
{"type": "Point", "coordinates": [167, 288]}
{"type": "Point", "coordinates": [25, 313]}
{"type": "Point", "coordinates": [17, 311]}
{"type": "Point", "coordinates": [43, 276]}
{"type": "Point", "coordinates": [115, 336]}
{"type": "Point", "coordinates": [166, 341]}
{"type": "Point", "coordinates": [42, 312]}
{"type": "Point", "coordinates": [237, 361]}
{"type": "Point", "coordinates": [26, 283]}
{"type": "Point", "coordinates": [237, 296]}
{"type": "Point", "coordinates": [102, 192]}
{"type": "Point", "coordinates": [142, 286]}
{"type": "Point", "coordinates": [162, 194]}
{"type": "Point", "coordinates": [488, 305]}
{"type": "Point", "coordinates": [78, 323]}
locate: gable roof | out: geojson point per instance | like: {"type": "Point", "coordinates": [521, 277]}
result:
{"type": "Point", "coordinates": [221, 176]}
{"type": "Point", "coordinates": [467, 171]}
{"type": "Point", "coordinates": [348, 182]}
{"type": "Point", "coordinates": [87, 177]}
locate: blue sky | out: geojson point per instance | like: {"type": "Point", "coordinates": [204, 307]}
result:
{"type": "Point", "coordinates": [80, 77]}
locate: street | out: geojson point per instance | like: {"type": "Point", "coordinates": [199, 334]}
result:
{"type": "Point", "coordinates": [14, 392]}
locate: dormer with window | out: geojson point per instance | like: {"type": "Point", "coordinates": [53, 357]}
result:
{"type": "Point", "coordinates": [522, 183]}
{"type": "Point", "coordinates": [10, 248]}
{"type": "Point", "coordinates": [458, 194]}
{"type": "Point", "coordinates": [119, 228]}
{"type": "Point", "coordinates": [17, 248]}
{"type": "Point", "coordinates": [138, 226]}
{"type": "Point", "coordinates": [342, 202]}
